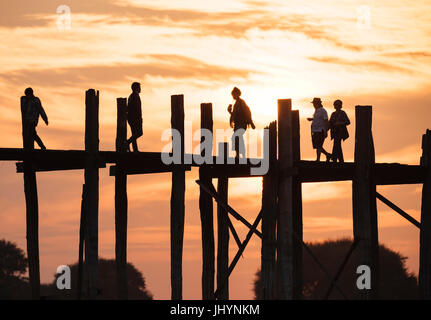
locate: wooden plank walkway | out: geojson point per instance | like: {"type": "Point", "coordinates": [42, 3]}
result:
{"type": "Point", "coordinates": [151, 162]}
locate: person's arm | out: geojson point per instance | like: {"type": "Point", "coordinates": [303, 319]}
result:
{"type": "Point", "coordinates": [229, 109]}
{"type": "Point", "coordinates": [325, 119]}
{"type": "Point", "coordinates": [327, 125]}
{"type": "Point", "coordinates": [42, 112]}
{"type": "Point", "coordinates": [344, 122]}
{"type": "Point", "coordinates": [347, 122]}
{"type": "Point", "coordinates": [139, 107]}
{"type": "Point", "coordinates": [249, 115]}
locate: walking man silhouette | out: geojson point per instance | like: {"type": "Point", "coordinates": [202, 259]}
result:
{"type": "Point", "coordinates": [319, 128]}
{"type": "Point", "coordinates": [31, 108]}
{"type": "Point", "coordinates": [338, 124]}
{"type": "Point", "coordinates": [134, 116]}
{"type": "Point", "coordinates": [240, 119]}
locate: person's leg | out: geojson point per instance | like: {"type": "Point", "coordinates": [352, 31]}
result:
{"type": "Point", "coordinates": [135, 145]}
{"type": "Point", "coordinates": [320, 141]}
{"type": "Point", "coordinates": [38, 140]}
{"type": "Point", "coordinates": [236, 144]}
{"type": "Point", "coordinates": [27, 136]}
{"type": "Point", "coordinates": [340, 152]}
{"type": "Point", "coordinates": [321, 150]}
{"type": "Point", "coordinates": [129, 141]}
{"type": "Point", "coordinates": [241, 145]}
{"type": "Point", "coordinates": [232, 141]}
{"type": "Point", "coordinates": [334, 151]}
{"type": "Point", "coordinates": [136, 133]}
{"type": "Point", "coordinates": [315, 143]}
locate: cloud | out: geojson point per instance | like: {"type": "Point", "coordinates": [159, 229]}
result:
{"type": "Point", "coordinates": [155, 65]}
{"type": "Point", "coordinates": [235, 24]}
{"type": "Point", "coordinates": [408, 54]}
{"type": "Point", "coordinates": [358, 65]}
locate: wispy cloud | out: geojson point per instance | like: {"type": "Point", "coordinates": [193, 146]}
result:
{"type": "Point", "coordinates": [164, 66]}
{"type": "Point", "coordinates": [355, 65]}
{"type": "Point", "coordinates": [235, 24]}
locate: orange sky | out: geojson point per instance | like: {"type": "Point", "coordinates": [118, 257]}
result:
{"type": "Point", "coordinates": [270, 49]}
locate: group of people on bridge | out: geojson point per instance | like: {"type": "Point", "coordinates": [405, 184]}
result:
{"type": "Point", "coordinates": [240, 121]}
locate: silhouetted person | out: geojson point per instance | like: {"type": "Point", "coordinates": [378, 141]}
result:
{"type": "Point", "coordinates": [319, 128]}
{"type": "Point", "coordinates": [134, 116]}
{"type": "Point", "coordinates": [240, 119]}
{"type": "Point", "coordinates": [338, 124]}
{"type": "Point", "coordinates": [31, 109]}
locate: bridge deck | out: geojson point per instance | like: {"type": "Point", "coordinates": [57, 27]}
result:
{"type": "Point", "coordinates": [151, 162]}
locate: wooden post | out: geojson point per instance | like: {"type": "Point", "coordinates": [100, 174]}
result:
{"type": "Point", "coordinates": [32, 212]}
{"type": "Point", "coordinates": [177, 204]}
{"type": "Point", "coordinates": [297, 209]}
{"type": "Point", "coordinates": [425, 235]}
{"type": "Point", "coordinates": [81, 245]}
{"type": "Point", "coordinates": [121, 202]}
{"type": "Point", "coordinates": [92, 189]}
{"type": "Point", "coordinates": [364, 201]}
{"type": "Point", "coordinates": [269, 216]}
{"type": "Point", "coordinates": [223, 233]}
{"type": "Point", "coordinates": [285, 228]}
{"type": "Point", "coordinates": [206, 211]}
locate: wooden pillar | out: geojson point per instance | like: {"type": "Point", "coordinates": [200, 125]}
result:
{"type": "Point", "coordinates": [92, 190]}
{"type": "Point", "coordinates": [297, 209]}
{"type": "Point", "coordinates": [32, 212]}
{"type": "Point", "coordinates": [121, 202]}
{"type": "Point", "coordinates": [364, 201]}
{"type": "Point", "coordinates": [177, 204]}
{"type": "Point", "coordinates": [223, 233]}
{"type": "Point", "coordinates": [206, 211]}
{"type": "Point", "coordinates": [32, 219]}
{"type": "Point", "coordinates": [81, 246]}
{"type": "Point", "coordinates": [285, 226]}
{"type": "Point", "coordinates": [269, 217]}
{"type": "Point", "coordinates": [425, 235]}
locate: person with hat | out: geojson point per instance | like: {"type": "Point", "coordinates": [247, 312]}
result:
{"type": "Point", "coordinates": [338, 124]}
{"type": "Point", "coordinates": [134, 116]}
{"type": "Point", "coordinates": [240, 119]}
{"type": "Point", "coordinates": [319, 128]}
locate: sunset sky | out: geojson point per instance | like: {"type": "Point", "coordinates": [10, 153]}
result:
{"type": "Point", "coordinates": [362, 52]}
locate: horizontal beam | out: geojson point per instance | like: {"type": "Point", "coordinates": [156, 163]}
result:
{"type": "Point", "coordinates": [138, 162]}
{"type": "Point", "coordinates": [398, 174]}
{"type": "Point", "coordinates": [313, 171]}
{"type": "Point", "coordinates": [383, 173]}
{"type": "Point", "coordinates": [50, 166]}
{"type": "Point", "coordinates": [230, 171]}
{"type": "Point", "coordinates": [148, 169]}
{"type": "Point", "coordinates": [15, 154]}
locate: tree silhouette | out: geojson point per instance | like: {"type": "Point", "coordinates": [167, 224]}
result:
{"type": "Point", "coordinates": [107, 274]}
{"type": "Point", "coordinates": [13, 266]}
{"type": "Point", "coordinates": [395, 281]}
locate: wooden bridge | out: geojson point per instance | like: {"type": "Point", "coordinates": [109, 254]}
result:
{"type": "Point", "coordinates": [280, 217]}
